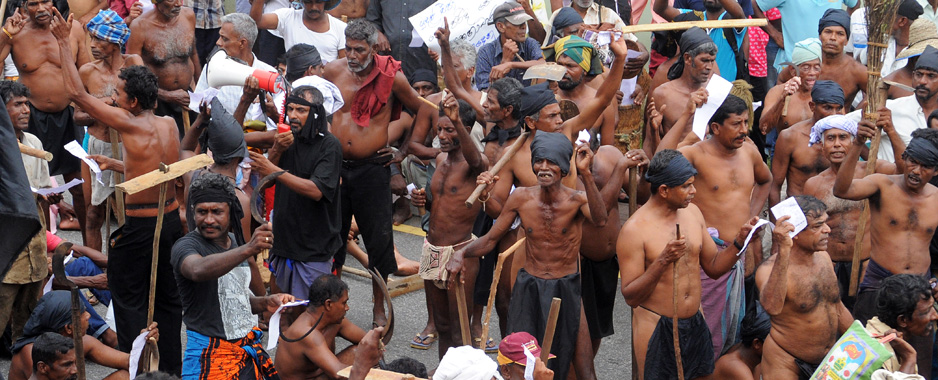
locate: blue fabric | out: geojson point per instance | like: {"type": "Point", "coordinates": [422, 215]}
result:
{"type": "Point", "coordinates": [799, 20]}
{"type": "Point", "coordinates": [195, 345]}
{"type": "Point", "coordinates": [726, 59]}
{"type": "Point", "coordinates": [96, 324]}
{"type": "Point", "coordinates": [490, 55]}
{"type": "Point", "coordinates": [108, 26]}
{"type": "Point", "coordinates": [82, 267]}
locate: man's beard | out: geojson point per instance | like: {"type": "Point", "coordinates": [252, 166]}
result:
{"type": "Point", "coordinates": [568, 83]}
{"type": "Point", "coordinates": [362, 65]}
{"type": "Point", "coordinates": [584, 3]}
{"type": "Point", "coordinates": [716, 7]}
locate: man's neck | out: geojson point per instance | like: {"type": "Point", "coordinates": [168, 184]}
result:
{"type": "Point", "coordinates": [549, 193]}
{"type": "Point", "coordinates": [928, 104]}
{"type": "Point", "coordinates": [659, 206]}
{"type": "Point", "coordinates": [246, 56]}
{"type": "Point", "coordinates": [506, 123]}
{"type": "Point", "coordinates": [690, 81]}
{"type": "Point", "coordinates": [229, 170]}
{"type": "Point", "coordinates": [833, 58]}
{"type": "Point", "coordinates": [113, 62]}
{"type": "Point", "coordinates": [222, 241]}
{"type": "Point", "coordinates": [714, 14]}
{"type": "Point", "coordinates": [719, 149]}
{"type": "Point", "coordinates": [580, 10]}
{"type": "Point", "coordinates": [835, 167]}
{"type": "Point", "coordinates": [366, 72]}
{"type": "Point", "coordinates": [19, 135]}
{"type": "Point", "coordinates": [573, 93]}
{"type": "Point", "coordinates": [800, 255]}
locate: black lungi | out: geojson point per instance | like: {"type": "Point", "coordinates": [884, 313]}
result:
{"type": "Point", "coordinates": [55, 130]}
{"type": "Point", "coordinates": [530, 307]}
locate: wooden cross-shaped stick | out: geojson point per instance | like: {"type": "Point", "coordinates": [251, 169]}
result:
{"type": "Point", "coordinates": [161, 177]}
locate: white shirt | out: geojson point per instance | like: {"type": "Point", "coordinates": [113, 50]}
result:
{"type": "Point", "coordinates": [37, 169]}
{"type": "Point", "coordinates": [907, 116]}
{"type": "Point", "coordinates": [230, 96]}
{"type": "Point", "coordinates": [272, 6]}
{"type": "Point", "coordinates": [290, 25]}
{"type": "Point", "coordinates": [332, 97]}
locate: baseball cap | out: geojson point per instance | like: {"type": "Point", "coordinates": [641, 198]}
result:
{"type": "Point", "coordinates": [511, 349]}
{"type": "Point", "coordinates": [512, 12]}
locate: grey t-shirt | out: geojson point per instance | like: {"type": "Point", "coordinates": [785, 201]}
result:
{"type": "Point", "coordinates": [219, 308]}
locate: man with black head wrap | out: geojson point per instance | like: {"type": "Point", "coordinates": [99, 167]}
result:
{"type": "Point", "coordinates": [564, 22]}
{"type": "Point", "coordinates": [648, 254]}
{"type": "Point", "coordinates": [741, 360]}
{"type": "Point", "coordinates": [211, 268]}
{"type": "Point", "coordinates": [729, 41]}
{"type": "Point", "coordinates": [306, 210]}
{"type": "Point", "coordinates": [795, 159]}
{"type": "Point", "coordinates": [689, 74]}
{"type": "Point", "coordinates": [552, 249]}
{"type": "Point", "coordinates": [903, 218]}
{"type": "Point", "coordinates": [53, 314]}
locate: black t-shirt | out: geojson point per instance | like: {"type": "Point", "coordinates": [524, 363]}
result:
{"type": "Point", "coordinates": [218, 308]}
{"type": "Point", "coordinates": [305, 229]}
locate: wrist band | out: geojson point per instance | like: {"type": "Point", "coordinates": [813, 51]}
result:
{"type": "Point", "coordinates": [7, 33]}
{"type": "Point", "coordinates": [737, 245]}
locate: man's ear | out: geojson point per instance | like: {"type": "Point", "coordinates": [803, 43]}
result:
{"type": "Point", "coordinates": [811, 105]}
{"type": "Point", "coordinates": [902, 321]}
{"type": "Point", "coordinates": [42, 367]}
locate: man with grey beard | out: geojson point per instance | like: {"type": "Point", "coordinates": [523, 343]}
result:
{"type": "Point", "coordinates": [374, 89]}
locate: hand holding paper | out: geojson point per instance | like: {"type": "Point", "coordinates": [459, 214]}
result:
{"type": "Point", "coordinates": [76, 150]}
{"type": "Point", "coordinates": [718, 88]}
{"type": "Point", "coordinates": [789, 207]}
{"type": "Point", "coordinates": [274, 325]}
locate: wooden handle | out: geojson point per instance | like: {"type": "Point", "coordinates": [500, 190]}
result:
{"type": "Point", "coordinates": [785, 107]}
{"type": "Point", "coordinates": [548, 340]}
{"type": "Point", "coordinates": [864, 218]}
{"type": "Point", "coordinates": [674, 321]}
{"type": "Point", "coordinates": [185, 120]}
{"type": "Point", "coordinates": [491, 301]}
{"type": "Point", "coordinates": [429, 103]}
{"type": "Point", "coordinates": [714, 24]}
{"type": "Point", "coordinates": [463, 313]}
{"type": "Point", "coordinates": [38, 153]}
{"type": "Point", "coordinates": [156, 253]}
{"type": "Point", "coordinates": [498, 166]}
{"type": "Point", "coordinates": [633, 190]}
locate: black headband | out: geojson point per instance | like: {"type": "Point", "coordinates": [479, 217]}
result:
{"type": "Point", "coordinates": [554, 147]}
{"type": "Point", "coordinates": [677, 172]}
{"type": "Point", "coordinates": [216, 195]}
{"type": "Point", "coordinates": [298, 100]}
{"type": "Point", "coordinates": [923, 151]}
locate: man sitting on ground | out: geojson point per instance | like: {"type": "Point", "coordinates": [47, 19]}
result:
{"type": "Point", "coordinates": [904, 305]}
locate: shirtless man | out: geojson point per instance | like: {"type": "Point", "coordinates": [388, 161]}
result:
{"type": "Point", "coordinates": [36, 56]}
{"type": "Point", "coordinates": [165, 38]}
{"type": "Point", "coordinates": [799, 291]}
{"type": "Point", "coordinates": [573, 85]}
{"type": "Point", "coordinates": [795, 159]}
{"type": "Point", "coordinates": [108, 34]}
{"type": "Point", "coordinates": [148, 140]}
{"type": "Point", "coordinates": [835, 134]}
{"type": "Point", "coordinates": [362, 129]}
{"type": "Point", "coordinates": [451, 222]}
{"type": "Point", "coordinates": [552, 249]}
{"type": "Point", "coordinates": [307, 347]}
{"type": "Point", "coordinates": [731, 174]}
{"type": "Point", "coordinates": [833, 30]}
{"type": "Point", "coordinates": [646, 249]}
{"type": "Point", "coordinates": [903, 218]}
{"type": "Point", "coordinates": [690, 73]}
{"type": "Point", "coordinates": [53, 314]}
{"type": "Point", "coordinates": [796, 92]}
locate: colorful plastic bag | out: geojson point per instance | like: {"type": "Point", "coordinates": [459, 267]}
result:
{"type": "Point", "coordinates": [855, 356]}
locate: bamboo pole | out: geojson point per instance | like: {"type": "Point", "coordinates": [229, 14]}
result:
{"type": "Point", "coordinates": [491, 302]}
{"type": "Point", "coordinates": [714, 24]}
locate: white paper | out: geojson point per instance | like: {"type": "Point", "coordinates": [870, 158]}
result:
{"type": "Point", "coordinates": [789, 207]}
{"type": "Point", "coordinates": [198, 97]}
{"type": "Point", "coordinates": [48, 287]}
{"type": "Point", "coordinates": [135, 352]}
{"type": "Point", "coordinates": [583, 137]}
{"type": "Point", "coordinates": [530, 361]}
{"type": "Point", "coordinates": [628, 87]}
{"type": "Point", "coordinates": [76, 150]}
{"type": "Point", "coordinates": [758, 225]}
{"type": "Point", "coordinates": [273, 327]}
{"type": "Point", "coordinates": [469, 20]}
{"type": "Point", "coordinates": [415, 40]}
{"type": "Point", "coordinates": [60, 189]}
{"type": "Point", "coordinates": [147, 6]}
{"type": "Point", "coordinates": [718, 88]}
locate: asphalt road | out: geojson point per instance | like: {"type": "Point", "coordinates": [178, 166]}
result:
{"type": "Point", "coordinates": [612, 362]}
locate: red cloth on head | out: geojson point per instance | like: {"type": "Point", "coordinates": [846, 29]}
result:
{"type": "Point", "coordinates": [376, 91]}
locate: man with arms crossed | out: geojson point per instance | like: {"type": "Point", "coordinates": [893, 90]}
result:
{"type": "Point", "coordinates": [148, 141]}
{"type": "Point", "coordinates": [649, 253]}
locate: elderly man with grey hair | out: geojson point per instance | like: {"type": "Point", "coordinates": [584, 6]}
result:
{"type": "Point", "coordinates": [236, 38]}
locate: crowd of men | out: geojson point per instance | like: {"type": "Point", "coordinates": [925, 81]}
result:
{"type": "Point", "coordinates": [364, 128]}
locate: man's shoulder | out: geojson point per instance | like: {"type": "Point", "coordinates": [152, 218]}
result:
{"type": "Point", "coordinates": [31, 140]}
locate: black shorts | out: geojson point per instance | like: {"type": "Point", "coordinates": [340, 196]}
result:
{"type": "Point", "coordinates": [55, 130]}
{"type": "Point", "coordinates": [366, 193]}
{"type": "Point", "coordinates": [696, 349]}
{"type": "Point", "coordinates": [530, 306]}
{"type": "Point", "coordinates": [600, 288]}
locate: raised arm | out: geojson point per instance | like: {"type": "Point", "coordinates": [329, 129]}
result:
{"type": "Point", "coordinates": [263, 20]}
{"type": "Point", "coordinates": [772, 277]}
{"type": "Point", "coordinates": [477, 164]}
{"type": "Point", "coordinates": [716, 263]}
{"type": "Point", "coordinates": [594, 210]}
{"type": "Point", "coordinates": [772, 113]}
{"type": "Point", "coordinates": [117, 118]}
{"type": "Point", "coordinates": [845, 186]}
{"type": "Point", "coordinates": [198, 268]}
{"type": "Point", "coordinates": [665, 9]}
{"type": "Point", "coordinates": [450, 75]}
{"type": "Point", "coordinates": [684, 124]}
{"type": "Point", "coordinates": [780, 163]}
{"type": "Point", "coordinates": [593, 109]}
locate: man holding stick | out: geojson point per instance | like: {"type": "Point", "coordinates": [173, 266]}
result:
{"type": "Point", "coordinates": [451, 221]}
{"type": "Point", "coordinates": [148, 141]}
{"type": "Point", "coordinates": [551, 249]}
{"type": "Point", "coordinates": [798, 289]}
{"type": "Point", "coordinates": [903, 218]}
{"type": "Point", "coordinates": [648, 257]}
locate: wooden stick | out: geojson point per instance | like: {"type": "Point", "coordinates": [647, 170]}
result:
{"type": "Point", "coordinates": [491, 302]}
{"type": "Point", "coordinates": [156, 252]}
{"type": "Point", "coordinates": [548, 340]}
{"type": "Point", "coordinates": [185, 120]}
{"type": "Point", "coordinates": [714, 24]}
{"type": "Point", "coordinates": [38, 153]}
{"type": "Point", "coordinates": [674, 321]}
{"type": "Point", "coordinates": [429, 103]}
{"type": "Point", "coordinates": [463, 313]}
{"type": "Point", "coordinates": [785, 107]}
{"type": "Point", "coordinates": [3, 9]}
{"type": "Point", "coordinates": [633, 190]}
{"type": "Point", "coordinates": [498, 166]}
{"type": "Point", "coordinates": [118, 177]}
{"type": "Point", "coordinates": [864, 216]}
{"type": "Point", "coordinates": [158, 176]}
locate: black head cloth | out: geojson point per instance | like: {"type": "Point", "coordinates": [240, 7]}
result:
{"type": "Point", "coordinates": [834, 17]}
{"type": "Point", "coordinates": [423, 75]}
{"type": "Point", "coordinates": [827, 92]}
{"type": "Point", "coordinates": [678, 171]}
{"type": "Point", "coordinates": [536, 97]}
{"type": "Point", "coordinates": [690, 39]}
{"type": "Point", "coordinates": [928, 60]}
{"type": "Point", "coordinates": [923, 151]}
{"type": "Point", "coordinates": [565, 17]}
{"type": "Point", "coordinates": [52, 313]}
{"type": "Point", "coordinates": [297, 65]}
{"type": "Point", "coordinates": [553, 147]}
{"type": "Point", "coordinates": [224, 136]}
{"type": "Point", "coordinates": [316, 123]}
{"type": "Point", "coordinates": [220, 195]}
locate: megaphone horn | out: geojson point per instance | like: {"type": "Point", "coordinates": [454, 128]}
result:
{"type": "Point", "coordinates": [222, 71]}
